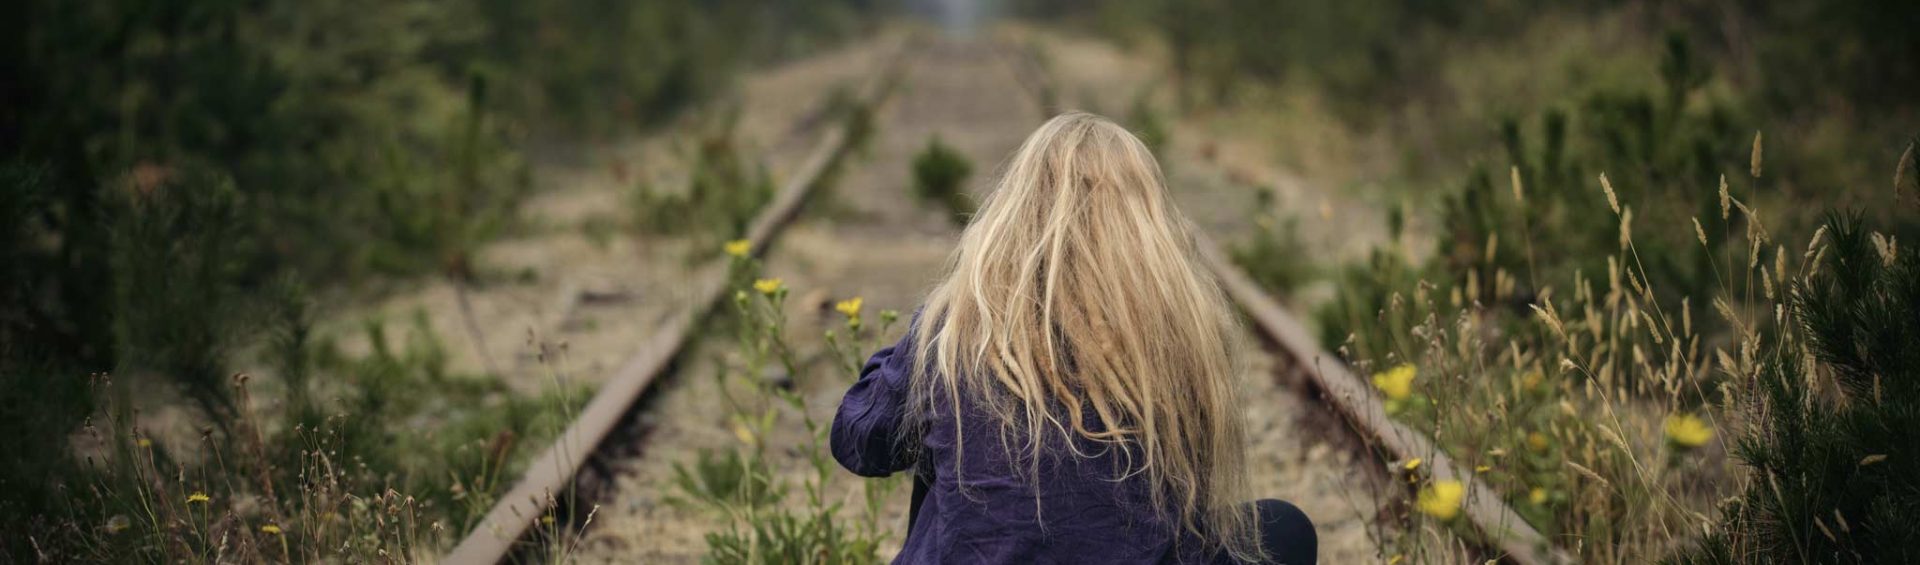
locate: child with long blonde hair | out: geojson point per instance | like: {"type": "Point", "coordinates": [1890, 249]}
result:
{"type": "Point", "coordinates": [1067, 393]}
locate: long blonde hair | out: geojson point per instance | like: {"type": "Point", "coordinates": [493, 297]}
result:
{"type": "Point", "coordinates": [1077, 286]}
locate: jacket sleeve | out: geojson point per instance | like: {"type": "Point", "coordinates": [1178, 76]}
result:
{"type": "Point", "coordinates": [867, 437]}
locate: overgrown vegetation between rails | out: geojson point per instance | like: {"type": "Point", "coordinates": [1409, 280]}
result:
{"type": "Point", "coordinates": [742, 486]}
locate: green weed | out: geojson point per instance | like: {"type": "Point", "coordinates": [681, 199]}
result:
{"type": "Point", "coordinates": [940, 176]}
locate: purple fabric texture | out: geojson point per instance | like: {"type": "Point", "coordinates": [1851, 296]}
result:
{"type": "Point", "coordinates": [1075, 510]}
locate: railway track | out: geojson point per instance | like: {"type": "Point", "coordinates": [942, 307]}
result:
{"type": "Point", "coordinates": [899, 236]}
{"type": "Point", "coordinates": [549, 477]}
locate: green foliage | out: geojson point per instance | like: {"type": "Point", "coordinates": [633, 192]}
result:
{"type": "Point", "coordinates": [1355, 320]}
{"type": "Point", "coordinates": [1658, 147]}
{"type": "Point", "coordinates": [606, 67]}
{"type": "Point", "coordinates": [741, 484]}
{"type": "Point", "coordinates": [1148, 125]}
{"type": "Point", "coordinates": [724, 192]}
{"type": "Point", "coordinates": [1275, 256]}
{"type": "Point", "coordinates": [723, 478]}
{"type": "Point", "coordinates": [940, 176]}
{"type": "Point", "coordinates": [1814, 54]}
{"type": "Point", "coordinates": [382, 454]}
{"type": "Point", "coordinates": [178, 293]}
{"type": "Point", "coordinates": [1835, 449]}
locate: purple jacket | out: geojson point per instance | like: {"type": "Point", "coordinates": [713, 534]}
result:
{"type": "Point", "coordinates": [1083, 515]}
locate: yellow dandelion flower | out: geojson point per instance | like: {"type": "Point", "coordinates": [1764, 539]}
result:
{"type": "Point", "coordinates": [271, 529]}
{"type": "Point", "coordinates": [1396, 383]}
{"type": "Point", "coordinates": [1442, 500]}
{"type": "Point", "coordinates": [1687, 430]}
{"type": "Point", "coordinates": [739, 248]}
{"type": "Point", "coordinates": [1412, 464]}
{"type": "Point", "coordinates": [1537, 496]}
{"type": "Point", "coordinates": [850, 307]}
{"type": "Point", "coordinates": [1531, 380]}
{"type": "Point", "coordinates": [1537, 441]}
{"type": "Point", "coordinates": [767, 286]}
{"type": "Point", "coordinates": [744, 434]}
{"type": "Point", "coordinates": [198, 497]}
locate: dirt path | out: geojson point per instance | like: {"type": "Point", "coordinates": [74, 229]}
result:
{"type": "Point", "coordinates": [885, 246]}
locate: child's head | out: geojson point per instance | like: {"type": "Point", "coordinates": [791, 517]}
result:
{"type": "Point", "coordinates": [1077, 290]}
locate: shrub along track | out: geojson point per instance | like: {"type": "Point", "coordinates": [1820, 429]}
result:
{"type": "Point", "coordinates": [867, 236]}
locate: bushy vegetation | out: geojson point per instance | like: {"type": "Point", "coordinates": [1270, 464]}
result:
{"type": "Point", "coordinates": [1609, 267]}
{"type": "Point", "coordinates": [940, 176]}
{"type": "Point", "coordinates": [1833, 472]}
{"type": "Point", "coordinates": [1274, 255]}
{"type": "Point", "coordinates": [172, 174]}
{"type": "Point", "coordinates": [723, 192]}
{"type": "Point", "coordinates": [364, 458]}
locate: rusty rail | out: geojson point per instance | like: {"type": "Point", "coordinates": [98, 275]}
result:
{"type": "Point", "coordinates": [1354, 399]}
{"type": "Point", "coordinates": [549, 475]}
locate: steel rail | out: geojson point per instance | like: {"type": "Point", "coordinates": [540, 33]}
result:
{"type": "Point", "coordinates": [548, 476]}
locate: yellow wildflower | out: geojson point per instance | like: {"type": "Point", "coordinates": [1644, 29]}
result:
{"type": "Point", "coordinates": [271, 529]}
{"type": "Point", "coordinates": [739, 248]}
{"type": "Point", "coordinates": [744, 434]}
{"type": "Point", "coordinates": [143, 442]}
{"type": "Point", "coordinates": [1687, 430]}
{"type": "Point", "coordinates": [1396, 383]}
{"type": "Point", "coordinates": [850, 307]}
{"type": "Point", "coordinates": [1442, 500]}
{"type": "Point", "coordinates": [199, 497]}
{"type": "Point", "coordinates": [1483, 468]}
{"type": "Point", "coordinates": [547, 519]}
{"type": "Point", "coordinates": [1412, 464]}
{"type": "Point", "coordinates": [1531, 380]}
{"type": "Point", "coordinates": [1537, 441]}
{"type": "Point", "coordinates": [767, 286]}
{"type": "Point", "coordinates": [1537, 496]}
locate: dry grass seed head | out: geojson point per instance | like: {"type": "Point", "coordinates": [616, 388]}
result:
{"type": "Point", "coordinates": [1613, 201]}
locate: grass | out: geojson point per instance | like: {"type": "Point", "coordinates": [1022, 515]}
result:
{"type": "Point", "coordinates": [722, 193]}
{"type": "Point", "coordinates": [382, 457]}
{"type": "Point", "coordinates": [1275, 255]}
{"type": "Point", "coordinates": [1599, 405]}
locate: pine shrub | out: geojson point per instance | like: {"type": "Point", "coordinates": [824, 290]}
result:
{"type": "Point", "coordinates": [939, 176]}
{"type": "Point", "coordinates": [1834, 451]}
